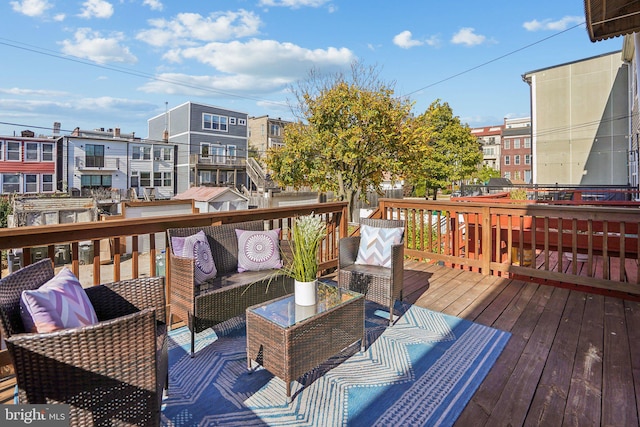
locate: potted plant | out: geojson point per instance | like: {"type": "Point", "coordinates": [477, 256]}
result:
{"type": "Point", "coordinates": [308, 233]}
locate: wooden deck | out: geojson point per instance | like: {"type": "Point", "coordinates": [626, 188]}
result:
{"type": "Point", "coordinates": [573, 358]}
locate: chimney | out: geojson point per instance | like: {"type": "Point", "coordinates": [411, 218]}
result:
{"type": "Point", "coordinates": [116, 132]}
{"type": "Point", "coordinates": [165, 136]}
{"type": "Point", "coordinates": [56, 128]}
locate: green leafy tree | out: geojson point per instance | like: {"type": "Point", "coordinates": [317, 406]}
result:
{"type": "Point", "coordinates": [443, 149]}
{"type": "Point", "coordinates": [485, 173]}
{"type": "Point", "coordinates": [350, 131]}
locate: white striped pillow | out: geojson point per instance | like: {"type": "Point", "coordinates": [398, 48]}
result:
{"type": "Point", "coordinates": [375, 245]}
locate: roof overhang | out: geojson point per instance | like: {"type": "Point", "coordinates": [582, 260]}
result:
{"type": "Point", "coordinates": [611, 18]}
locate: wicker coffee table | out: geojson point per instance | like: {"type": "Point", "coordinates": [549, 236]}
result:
{"type": "Point", "coordinates": [289, 340]}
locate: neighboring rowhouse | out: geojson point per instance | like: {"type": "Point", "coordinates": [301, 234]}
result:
{"type": "Point", "coordinates": [266, 132]}
{"type": "Point", "coordinates": [95, 161]}
{"type": "Point", "coordinates": [490, 137]}
{"type": "Point", "coordinates": [516, 150]}
{"type": "Point", "coordinates": [27, 164]}
{"type": "Point", "coordinates": [580, 122]}
{"type": "Point", "coordinates": [212, 144]}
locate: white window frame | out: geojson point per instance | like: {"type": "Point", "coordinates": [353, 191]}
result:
{"type": "Point", "coordinates": [31, 151]}
{"type": "Point", "coordinates": [13, 151]}
{"type": "Point", "coordinates": [516, 144]}
{"type": "Point", "coordinates": [47, 183]}
{"type": "Point", "coordinates": [242, 122]}
{"type": "Point", "coordinates": [14, 177]}
{"type": "Point", "coordinates": [507, 160]}
{"type": "Point", "coordinates": [516, 159]}
{"type": "Point", "coordinates": [141, 152]}
{"type": "Point", "coordinates": [232, 151]}
{"type": "Point", "coordinates": [232, 120]}
{"type": "Point", "coordinates": [507, 144]}
{"type": "Point", "coordinates": [48, 156]}
{"type": "Point", "coordinates": [507, 175]}
{"type": "Point", "coordinates": [33, 186]}
{"type": "Point", "coordinates": [134, 175]}
{"type": "Point", "coordinates": [527, 159]}
{"type": "Point", "coordinates": [209, 122]}
{"type": "Point", "coordinates": [527, 143]}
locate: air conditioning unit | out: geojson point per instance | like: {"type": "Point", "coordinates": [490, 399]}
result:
{"type": "Point", "coordinates": [157, 158]}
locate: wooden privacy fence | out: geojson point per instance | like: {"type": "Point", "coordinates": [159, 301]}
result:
{"type": "Point", "coordinates": [580, 245]}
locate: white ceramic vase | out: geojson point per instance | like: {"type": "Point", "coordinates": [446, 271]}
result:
{"type": "Point", "coordinates": [305, 292]}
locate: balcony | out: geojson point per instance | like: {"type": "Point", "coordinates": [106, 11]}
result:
{"type": "Point", "coordinates": [219, 162]}
{"type": "Point", "coordinates": [574, 353]}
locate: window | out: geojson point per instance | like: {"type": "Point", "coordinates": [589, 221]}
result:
{"type": "Point", "coordinates": [214, 122]}
{"type": "Point", "coordinates": [162, 153]}
{"type": "Point", "coordinates": [275, 129]}
{"type": "Point", "coordinates": [507, 175]}
{"type": "Point", "coordinates": [507, 144]}
{"type": "Point", "coordinates": [231, 152]}
{"type": "Point", "coordinates": [516, 143]}
{"type": "Point", "coordinates": [135, 179]}
{"type": "Point", "coordinates": [527, 143]}
{"type": "Point", "coordinates": [527, 159]}
{"type": "Point", "coordinates": [31, 152]}
{"type": "Point", "coordinates": [204, 150]}
{"type": "Point", "coordinates": [10, 183]}
{"type": "Point", "coordinates": [47, 183]}
{"type": "Point", "coordinates": [95, 181]}
{"type": "Point", "coordinates": [47, 152]}
{"type": "Point", "coordinates": [507, 160]}
{"type": "Point", "coordinates": [242, 122]}
{"type": "Point", "coordinates": [13, 150]}
{"type": "Point", "coordinates": [516, 175]}
{"type": "Point", "coordinates": [527, 176]}
{"type": "Point", "coordinates": [141, 153]}
{"type": "Point", "coordinates": [94, 156]}
{"type": "Point", "coordinates": [492, 140]}
{"type": "Point", "coordinates": [162, 179]}
{"type": "Point", "coordinates": [232, 120]}
{"type": "Point", "coordinates": [145, 179]}
{"type": "Point", "coordinates": [516, 160]}
{"type": "Point", "coordinates": [1, 149]}
{"type": "Point", "coordinates": [30, 183]}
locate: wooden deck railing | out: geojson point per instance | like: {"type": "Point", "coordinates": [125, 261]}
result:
{"type": "Point", "coordinates": [577, 245]}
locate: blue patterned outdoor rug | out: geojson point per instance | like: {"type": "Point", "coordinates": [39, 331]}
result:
{"type": "Point", "coordinates": [421, 371]}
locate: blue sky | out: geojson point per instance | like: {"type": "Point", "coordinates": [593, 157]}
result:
{"type": "Point", "coordinates": [114, 63]}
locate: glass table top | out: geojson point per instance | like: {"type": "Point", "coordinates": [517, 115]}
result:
{"type": "Point", "coordinates": [285, 312]}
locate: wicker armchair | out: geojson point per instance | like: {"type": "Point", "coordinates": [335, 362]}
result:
{"type": "Point", "coordinates": [110, 373]}
{"type": "Point", "coordinates": [379, 284]}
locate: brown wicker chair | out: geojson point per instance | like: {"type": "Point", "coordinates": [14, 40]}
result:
{"type": "Point", "coordinates": [379, 284]}
{"type": "Point", "coordinates": [230, 293]}
{"type": "Point", "coordinates": [110, 373]}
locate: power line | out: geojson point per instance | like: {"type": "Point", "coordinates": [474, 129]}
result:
{"type": "Point", "coordinates": [493, 60]}
{"type": "Point", "coordinates": [71, 58]}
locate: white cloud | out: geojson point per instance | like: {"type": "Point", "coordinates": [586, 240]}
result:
{"type": "Point", "coordinates": [294, 4]}
{"type": "Point", "coordinates": [548, 24]}
{"type": "Point", "coordinates": [96, 9]}
{"type": "Point", "coordinates": [59, 17]}
{"type": "Point", "coordinates": [268, 57]}
{"type": "Point", "coordinates": [32, 92]}
{"type": "Point", "coordinates": [188, 28]}
{"type": "Point", "coordinates": [92, 45]}
{"type": "Point", "coordinates": [405, 40]}
{"type": "Point", "coordinates": [153, 4]}
{"type": "Point", "coordinates": [31, 7]}
{"type": "Point", "coordinates": [467, 36]}
{"type": "Point", "coordinates": [255, 67]}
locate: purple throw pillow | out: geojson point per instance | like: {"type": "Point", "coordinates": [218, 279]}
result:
{"type": "Point", "coordinates": [197, 248]}
{"type": "Point", "coordinates": [258, 250]}
{"type": "Point", "coordinates": [58, 304]}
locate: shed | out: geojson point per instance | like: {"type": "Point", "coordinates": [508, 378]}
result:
{"type": "Point", "coordinates": [215, 199]}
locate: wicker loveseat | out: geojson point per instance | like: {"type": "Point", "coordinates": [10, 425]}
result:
{"type": "Point", "coordinates": [230, 293]}
{"type": "Point", "coordinates": [110, 373]}
{"type": "Point", "coordinates": [379, 284]}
